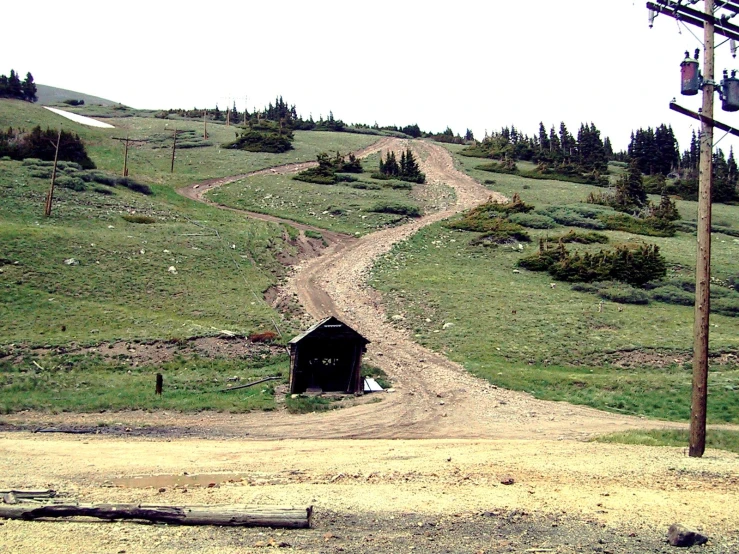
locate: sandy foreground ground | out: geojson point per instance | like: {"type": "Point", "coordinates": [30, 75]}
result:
{"type": "Point", "coordinates": [432, 495]}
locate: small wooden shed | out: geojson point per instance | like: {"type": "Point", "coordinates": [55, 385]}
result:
{"type": "Point", "coordinates": [328, 358]}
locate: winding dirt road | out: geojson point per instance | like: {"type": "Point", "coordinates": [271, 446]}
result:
{"type": "Point", "coordinates": [434, 397]}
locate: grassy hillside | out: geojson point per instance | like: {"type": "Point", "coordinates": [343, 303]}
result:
{"type": "Point", "coordinates": [354, 207]}
{"type": "Point", "coordinates": [519, 332]}
{"type": "Point", "coordinates": [49, 96]}
{"type": "Point", "coordinates": [115, 265]}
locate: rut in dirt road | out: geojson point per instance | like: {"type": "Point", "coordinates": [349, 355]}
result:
{"type": "Point", "coordinates": [434, 397]}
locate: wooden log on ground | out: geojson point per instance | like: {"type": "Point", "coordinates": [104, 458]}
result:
{"type": "Point", "coordinates": [227, 515]}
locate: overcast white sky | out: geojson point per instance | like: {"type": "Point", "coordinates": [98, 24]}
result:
{"type": "Point", "coordinates": [478, 64]}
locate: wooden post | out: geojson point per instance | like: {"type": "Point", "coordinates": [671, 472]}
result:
{"type": "Point", "coordinates": [174, 149]}
{"type": "Point", "coordinates": [125, 159]}
{"type": "Point", "coordinates": [205, 125]}
{"type": "Point", "coordinates": [699, 402]}
{"type": "Point", "coordinates": [159, 385]}
{"type": "Point", "coordinates": [50, 196]}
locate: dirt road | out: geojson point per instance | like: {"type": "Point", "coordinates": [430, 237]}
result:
{"type": "Point", "coordinates": [434, 397]}
{"type": "Point", "coordinates": [441, 494]}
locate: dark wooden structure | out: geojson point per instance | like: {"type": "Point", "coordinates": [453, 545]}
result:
{"type": "Point", "coordinates": [327, 358]}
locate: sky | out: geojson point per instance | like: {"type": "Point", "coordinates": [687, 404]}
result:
{"type": "Point", "coordinates": [476, 64]}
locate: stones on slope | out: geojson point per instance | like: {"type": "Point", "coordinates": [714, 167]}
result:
{"type": "Point", "coordinates": [679, 535]}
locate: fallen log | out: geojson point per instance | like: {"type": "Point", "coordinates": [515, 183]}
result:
{"type": "Point", "coordinates": [227, 515]}
{"type": "Point", "coordinates": [250, 384]}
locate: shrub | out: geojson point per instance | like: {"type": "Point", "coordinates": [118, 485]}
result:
{"type": "Point", "coordinates": [633, 264]}
{"type": "Point", "coordinates": [483, 218]}
{"type": "Point", "coordinates": [313, 234]}
{"type": "Point", "coordinates": [40, 173]}
{"type": "Point", "coordinates": [670, 294]}
{"type": "Point", "coordinates": [364, 185]}
{"type": "Point", "coordinates": [649, 226]}
{"type": "Point", "coordinates": [580, 238]}
{"type": "Point", "coordinates": [622, 293]}
{"type": "Point", "coordinates": [728, 306]}
{"type": "Point", "coordinates": [501, 232]}
{"type": "Point", "coordinates": [398, 185]}
{"type": "Point", "coordinates": [68, 182]}
{"type": "Point", "coordinates": [142, 219]}
{"type": "Point", "coordinates": [134, 185]}
{"type": "Point", "coordinates": [103, 190]}
{"type": "Point", "coordinates": [570, 217]}
{"type": "Point", "coordinates": [396, 208]}
{"type": "Point", "coordinates": [533, 221]}
{"type": "Point", "coordinates": [261, 141]}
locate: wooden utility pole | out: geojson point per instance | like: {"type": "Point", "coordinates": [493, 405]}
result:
{"type": "Point", "coordinates": [50, 196]}
{"type": "Point", "coordinates": [205, 125]}
{"type": "Point", "coordinates": [699, 400]}
{"type": "Point", "coordinates": [174, 149]}
{"type": "Point", "coordinates": [125, 159]}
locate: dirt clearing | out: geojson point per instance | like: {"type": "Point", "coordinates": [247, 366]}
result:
{"type": "Point", "coordinates": [380, 495]}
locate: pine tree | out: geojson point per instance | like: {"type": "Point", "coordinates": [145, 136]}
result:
{"type": "Point", "coordinates": [29, 88]}
{"type": "Point", "coordinates": [630, 191]}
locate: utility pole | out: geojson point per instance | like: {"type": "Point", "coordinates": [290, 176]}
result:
{"type": "Point", "coordinates": [205, 125]}
{"type": "Point", "coordinates": [174, 149]}
{"type": "Point", "coordinates": [126, 142]}
{"type": "Point", "coordinates": [50, 196]}
{"type": "Point", "coordinates": [125, 159]}
{"type": "Point", "coordinates": [699, 402]}
{"type": "Point", "coordinates": [712, 25]}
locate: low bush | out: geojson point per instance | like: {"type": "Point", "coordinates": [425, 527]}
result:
{"type": "Point", "coordinates": [364, 185]}
{"type": "Point", "coordinates": [579, 238]}
{"type": "Point", "coordinates": [260, 141]}
{"type": "Point", "coordinates": [502, 231]}
{"type": "Point", "coordinates": [103, 190]}
{"type": "Point", "coordinates": [396, 208]}
{"type": "Point", "coordinates": [533, 221]}
{"type": "Point", "coordinates": [622, 293]}
{"type": "Point", "coordinates": [649, 226]}
{"type": "Point", "coordinates": [313, 234]}
{"type": "Point", "coordinates": [72, 183]}
{"type": "Point", "coordinates": [141, 219]}
{"type": "Point", "coordinates": [627, 263]}
{"type": "Point", "coordinates": [398, 185]}
{"type": "Point", "coordinates": [569, 216]}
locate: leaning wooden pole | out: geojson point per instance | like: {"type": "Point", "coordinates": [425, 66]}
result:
{"type": "Point", "coordinates": [50, 196]}
{"type": "Point", "coordinates": [699, 402]}
{"type": "Point", "coordinates": [229, 515]}
{"type": "Point", "coordinates": [174, 149]}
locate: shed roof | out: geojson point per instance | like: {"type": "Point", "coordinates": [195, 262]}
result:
{"type": "Point", "coordinates": [330, 327]}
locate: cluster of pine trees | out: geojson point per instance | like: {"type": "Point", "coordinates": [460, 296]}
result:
{"type": "Point", "coordinates": [406, 170]}
{"type": "Point", "coordinates": [554, 148]}
{"type": "Point", "coordinates": [19, 144]}
{"type": "Point", "coordinates": [13, 87]}
{"type": "Point", "coordinates": [655, 150]}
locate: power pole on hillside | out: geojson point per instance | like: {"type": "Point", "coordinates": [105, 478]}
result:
{"type": "Point", "coordinates": [692, 81]}
{"type": "Point", "coordinates": [50, 196]}
{"type": "Point", "coordinates": [174, 149]}
{"type": "Point", "coordinates": [126, 142]}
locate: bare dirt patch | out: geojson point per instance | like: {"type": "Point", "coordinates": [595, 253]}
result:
{"type": "Point", "coordinates": [136, 353]}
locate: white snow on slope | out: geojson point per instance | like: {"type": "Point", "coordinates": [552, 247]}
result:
{"type": "Point", "coordinates": [80, 118]}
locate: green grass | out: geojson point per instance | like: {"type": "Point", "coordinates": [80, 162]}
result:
{"type": "Point", "coordinates": [88, 383]}
{"type": "Point", "coordinates": [343, 207]}
{"type": "Point", "coordinates": [715, 438]}
{"type": "Point", "coordinates": [121, 287]}
{"type": "Point", "coordinates": [517, 331]}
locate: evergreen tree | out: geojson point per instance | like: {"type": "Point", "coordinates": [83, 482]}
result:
{"type": "Point", "coordinates": [630, 191]}
{"type": "Point", "coordinates": [29, 88]}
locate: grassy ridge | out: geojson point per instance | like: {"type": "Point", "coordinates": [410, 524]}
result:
{"type": "Point", "coordinates": [344, 207]}
{"type": "Point", "coordinates": [517, 331]}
